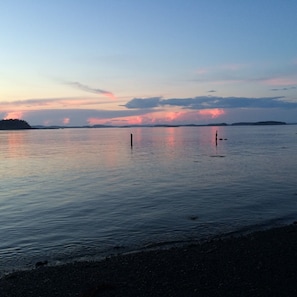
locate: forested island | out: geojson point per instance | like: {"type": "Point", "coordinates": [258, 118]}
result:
{"type": "Point", "coordinates": [259, 123]}
{"type": "Point", "coordinates": [14, 124]}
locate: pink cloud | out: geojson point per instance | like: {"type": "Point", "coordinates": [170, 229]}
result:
{"type": "Point", "coordinates": [171, 117]}
{"type": "Point", "coordinates": [193, 116]}
{"type": "Point", "coordinates": [96, 121]}
{"type": "Point", "coordinates": [14, 115]}
{"type": "Point", "coordinates": [212, 113]}
{"type": "Point", "coordinates": [66, 121]}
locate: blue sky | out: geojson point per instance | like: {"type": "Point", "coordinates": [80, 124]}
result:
{"type": "Point", "coordinates": [148, 62]}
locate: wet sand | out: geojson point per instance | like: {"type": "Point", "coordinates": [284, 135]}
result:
{"type": "Point", "coordinates": [258, 264]}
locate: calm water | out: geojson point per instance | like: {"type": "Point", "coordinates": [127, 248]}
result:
{"type": "Point", "coordinates": [74, 194]}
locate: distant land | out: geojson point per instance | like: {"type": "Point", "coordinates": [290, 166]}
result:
{"type": "Point", "coordinates": [259, 123]}
{"type": "Point", "coordinates": [15, 124]}
{"type": "Point", "coordinates": [166, 125]}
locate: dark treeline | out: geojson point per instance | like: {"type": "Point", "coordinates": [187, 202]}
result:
{"type": "Point", "coordinates": [14, 124]}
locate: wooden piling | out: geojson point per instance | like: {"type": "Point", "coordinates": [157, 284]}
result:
{"type": "Point", "coordinates": [131, 139]}
{"type": "Point", "coordinates": [216, 138]}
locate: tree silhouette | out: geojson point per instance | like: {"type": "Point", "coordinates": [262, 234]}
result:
{"type": "Point", "coordinates": [14, 124]}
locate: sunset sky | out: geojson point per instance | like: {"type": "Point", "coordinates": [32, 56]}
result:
{"type": "Point", "coordinates": [123, 62]}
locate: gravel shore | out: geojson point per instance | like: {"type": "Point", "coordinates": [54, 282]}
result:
{"type": "Point", "coordinates": [263, 263]}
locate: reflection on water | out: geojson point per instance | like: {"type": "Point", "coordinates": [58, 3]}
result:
{"type": "Point", "coordinates": [13, 144]}
{"type": "Point", "coordinates": [70, 193]}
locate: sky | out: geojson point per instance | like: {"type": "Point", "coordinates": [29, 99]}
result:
{"type": "Point", "coordinates": [123, 62]}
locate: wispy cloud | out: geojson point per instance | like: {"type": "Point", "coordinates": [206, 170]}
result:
{"type": "Point", "coordinates": [227, 74]}
{"type": "Point", "coordinates": [41, 103]}
{"type": "Point", "coordinates": [88, 89]}
{"type": "Point", "coordinates": [208, 102]}
{"type": "Point", "coordinates": [281, 81]}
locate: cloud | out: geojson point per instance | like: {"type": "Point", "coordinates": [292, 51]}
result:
{"type": "Point", "coordinates": [13, 115]}
{"type": "Point", "coordinates": [152, 110]}
{"type": "Point", "coordinates": [144, 103]}
{"type": "Point", "coordinates": [237, 74]}
{"type": "Point", "coordinates": [31, 102]}
{"type": "Point", "coordinates": [77, 116]}
{"type": "Point", "coordinates": [211, 91]}
{"type": "Point", "coordinates": [50, 103]}
{"type": "Point", "coordinates": [209, 102]}
{"type": "Point", "coordinates": [164, 117]}
{"type": "Point", "coordinates": [86, 88]}
{"type": "Point", "coordinates": [281, 81]}
{"type": "Point", "coordinates": [66, 121]}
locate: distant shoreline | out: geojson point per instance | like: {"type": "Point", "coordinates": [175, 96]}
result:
{"type": "Point", "coordinates": [260, 123]}
{"type": "Point", "coordinates": [16, 124]}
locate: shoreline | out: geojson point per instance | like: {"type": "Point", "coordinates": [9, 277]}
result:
{"type": "Point", "coordinates": [118, 250]}
{"type": "Point", "coordinates": [262, 263]}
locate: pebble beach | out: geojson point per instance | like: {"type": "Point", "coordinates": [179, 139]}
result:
{"type": "Point", "coordinates": [263, 263]}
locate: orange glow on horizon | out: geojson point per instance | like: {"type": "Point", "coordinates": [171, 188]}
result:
{"type": "Point", "coordinates": [14, 115]}
{"type": "Point", "coordinates": [96, 121]}
{"type": "Point", "coordinates": [110, 95]}
{"type": "Point", "coordinates": [171, 117]}
{"type": "Point", "coordinates": [213, 113]}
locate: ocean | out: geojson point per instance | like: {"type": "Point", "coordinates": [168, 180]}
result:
{"type": "Point", "coordinates": [86, 193]}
